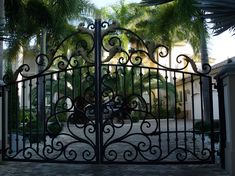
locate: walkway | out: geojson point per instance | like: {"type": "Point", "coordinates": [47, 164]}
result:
{"type": "Point", "coordinates": [48, 169]}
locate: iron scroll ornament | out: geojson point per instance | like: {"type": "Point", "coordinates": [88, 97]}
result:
{"type": "Point", "coordinates": [148, 49]}
{"type": "Point", "coordinates": [63, 62]}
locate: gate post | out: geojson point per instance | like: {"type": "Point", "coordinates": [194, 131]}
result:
{"type": "Point", "coordinates": [98, 91]}
{"type": "Point", "coordinates": [3, 120]}
{"type": "Point", "coordinates": [226, 87]}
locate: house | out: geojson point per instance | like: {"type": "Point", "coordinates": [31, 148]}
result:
{"type": "Point", "coordinates": [197, 96]}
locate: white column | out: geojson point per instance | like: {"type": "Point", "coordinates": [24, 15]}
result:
{"type": "Point", "coordinates": [5, 93]}
{"type": "Point", "coordinates": [1, 118]}
{"type": "Point", "coordinates": [0, 123]}
{"type": "Point", "coordinates": [227, 76]}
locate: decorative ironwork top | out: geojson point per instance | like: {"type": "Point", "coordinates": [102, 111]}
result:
{"type": "Point", "coordinates": [118, 46]}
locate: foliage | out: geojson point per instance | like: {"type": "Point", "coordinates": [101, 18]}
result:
{"type": "Point", "coordinates": [204, 127]}
{"type": "Point", "coordinates": [26, 116]}
{"type": "Point", "coordinates": [26, 19]}
{"type": "Point", "coordinates": [130, 84]}
{"type": "Point", "coordinates": [54, 129]}
{"type": "Point", "coordinates": [31, 129]}
{"type": "Point", "coordinates": [186, 17]}
{"type": "Point", "coordinates": [13, 101]}
{"type": "Point", "coordinates": [177, 20]}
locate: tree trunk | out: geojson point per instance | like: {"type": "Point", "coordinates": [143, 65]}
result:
{"type": "Point", "coordinates": [2, 24]}
{"type": "Point", "coordinates": [205, 82]}
{"type": "Point", "coordinates": [41, 91]}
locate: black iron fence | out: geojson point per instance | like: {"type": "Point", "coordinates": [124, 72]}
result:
{"type": "Point", "coordinates": [110, 99]}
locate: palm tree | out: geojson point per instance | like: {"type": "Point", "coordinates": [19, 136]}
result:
{"type": "Point", "coordinates": [188, 17]}
{"type": "Point", "coordinates": [27, 19]}
{"type": "Point", "coordinates": [221, 14]}
{"type": "Point", "coordinates": [180, 20]}
{"type": "Point", "coordinates": [132, 16]}
{"type": "Point", "coordinates": [41, 17]}
{"type": "Point", "coordinates": [2, 23]}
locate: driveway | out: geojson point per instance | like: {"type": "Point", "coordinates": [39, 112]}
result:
{"type": "Point", "coordinates": [50, 169]}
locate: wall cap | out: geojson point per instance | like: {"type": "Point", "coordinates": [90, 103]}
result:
{"type": "Point", "coordinates": [227, 70]}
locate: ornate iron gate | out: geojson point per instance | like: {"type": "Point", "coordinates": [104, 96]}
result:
{"type": "Point", "coordinates": [108, 99]}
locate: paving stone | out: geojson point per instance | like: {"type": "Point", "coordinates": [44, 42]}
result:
{"type": "Point", "coordinates": [59, 169]}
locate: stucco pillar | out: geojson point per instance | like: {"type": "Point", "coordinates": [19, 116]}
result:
{"type": "Point", "coordinates": [1, 93]}
{"type": "Point", "coordinates": [0, 124]}
{"type": "Point", "coordinates": [5, 115]}
{"type": "Point", "coordinates": [226, 80]}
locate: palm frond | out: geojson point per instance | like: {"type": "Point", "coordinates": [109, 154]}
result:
{"type": "Point", "coordinates": [221, 14]}
{"type": "Point", "coordinates": [154, 2]}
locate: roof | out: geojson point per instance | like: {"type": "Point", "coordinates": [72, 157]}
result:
{"type": "Point", "coordinates": [218, 67]}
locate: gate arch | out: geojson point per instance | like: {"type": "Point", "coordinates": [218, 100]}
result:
{"type": "Point", "coordinates": [107, 101]}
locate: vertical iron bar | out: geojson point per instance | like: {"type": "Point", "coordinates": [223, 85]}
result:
{"type": "Point", "coordinates": [23, 113]}
{"type": "Point", "coordinates": [124, 81]}
{"type": "Point", "coordinates": [193, 114]}
{"type": "Point", "coordinates": [150, 98]}
{"type": "Point", "coordinates": [212, 135]}
{"type": "Point", "coordinates": [30, 110]}
{"type": "Point", "coordinates": [167, 114]}
{"type": "Point", "coordinates": [65, 84]}
{"type": "Point", "coordinates": [222, 121]}
{"type": "Point", "coordinates": [117, 79]}
{"type": "Point", "coordinates": [58, 86]}
{"type": "Point", "coordinates": [10, 120]}
{"type": "Point", "coordinates": [98, 91]}
{"type": "Point", "coordinates": [73, 85]}
{"type": "Point", "coordinates": [44, 111]}
{"type": "Point", "coordinates": [158, 108]}
{"type": "Point", "coordinates": [17, 124]}
{"type": "Point", "coordinates": [185, 98]}
{"type": "Point", "coordinates": [141, 83]}
{"type": "Point", "coordinates": [80, 82]}
{"type": "Point", "coordinates": [132, 80]}
{"type": "Point", "coordinates": [202, 114]}
{"type": "Point", "coordinates": [176, 120]}
{"type": "Point", "coordinates": [37, 116]}
{"type": "Point", "coordinates": [4, 127]}
{"type": "Point", "coordinates": [51, 95]}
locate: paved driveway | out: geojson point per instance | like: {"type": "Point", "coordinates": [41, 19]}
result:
{"type": "Point", "coordinates": [48, 169]}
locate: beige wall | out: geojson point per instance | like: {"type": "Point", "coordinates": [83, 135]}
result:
{"type": "Point", "coordinates": [197, 100]}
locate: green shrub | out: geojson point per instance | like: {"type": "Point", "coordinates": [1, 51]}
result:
{"type": "Point", "coordinates": [54, 129]}
{"type": "Point", "coordinates": [135, 116]}
{"type": "Point", "coordinates": [25, 116]}
{"type": "Point", "coordinates": [31, 131]}
{"type": "Point", "coordinates": [206, 128]}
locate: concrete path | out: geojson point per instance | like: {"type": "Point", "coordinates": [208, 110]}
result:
{"type": "Point", "coordinates": [49, 169]}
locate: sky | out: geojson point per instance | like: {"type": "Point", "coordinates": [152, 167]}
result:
{"type": "Point", "coordinates": [220, 47]}
{"type": "Point", "coordinates": [102, 3]}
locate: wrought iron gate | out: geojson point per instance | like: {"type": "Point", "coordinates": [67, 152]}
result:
{"type": "Point", "coordinates": [108, 99]}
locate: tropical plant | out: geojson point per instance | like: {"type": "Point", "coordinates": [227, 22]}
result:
{"type": "Point", "coordinates": [130, 88]}
{"type": "Point", "coordinates": [114, 85]}
{"type": "Point", "coordinates": [136, 18]}
{"type": "Point", "coordinates": [187, 17]}
{"type": "Point", "coordinates": [39, 20]}
{"type": "Point", "coordinates": [13, 102]}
